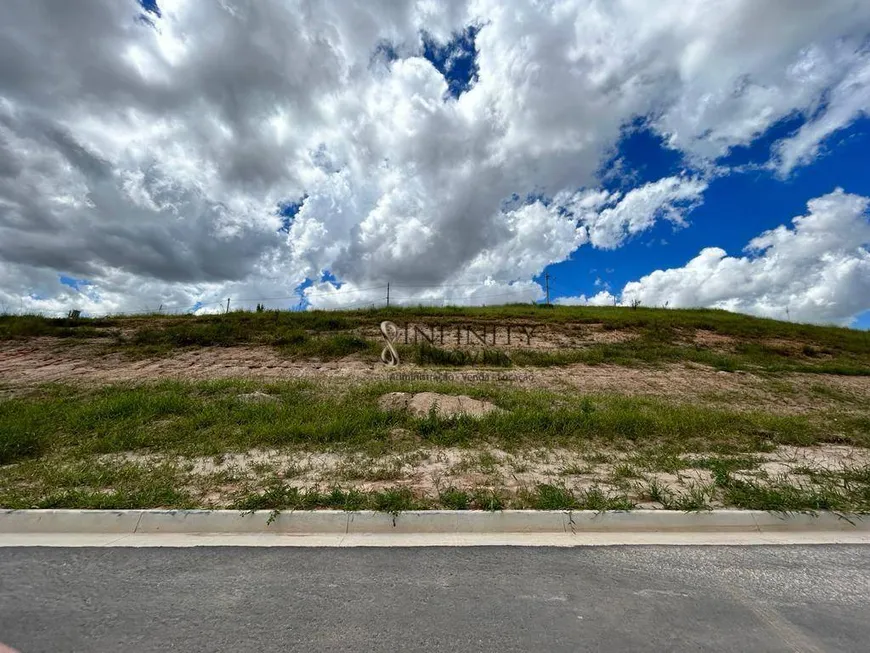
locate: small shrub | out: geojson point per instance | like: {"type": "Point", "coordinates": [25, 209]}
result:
{"type": "Point", "coordinates": [290, 338]}
{"type": "Point", "coordinates": [394, 501]}
{"type": "Point", "coordinates": [810, 351]}
{"type": "Point", "coordinates": [553, 497]}
{"type": "Point", "coordinates": [487, 500]}
{"type": "Point", "coordinates": [454, 499]}
{"type": "Point", "coordinates": [595, 499]}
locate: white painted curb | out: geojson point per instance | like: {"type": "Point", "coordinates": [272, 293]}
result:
{"type": "Point", "coordinates": [421, 522]}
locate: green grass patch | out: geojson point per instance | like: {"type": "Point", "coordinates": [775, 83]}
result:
{"type": "Point", "coordinates": [790, 497]}
{"type": "Point", "coordinates": [93, 484]}
{"type": "Point", "coordinates": [14, 327]}
{"type": "Point", "coordinates": [842, 491]}
{"type": "Point", "coordinates": [54, 440]}
{"type": "Point", "coordinates": [213, 417]}
{"type": "Point", "coordinates": [555, 497]}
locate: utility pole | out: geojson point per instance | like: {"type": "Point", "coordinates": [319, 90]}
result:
{"type": "Point", "coordinates": [228, 304]}
{"type": "Point", "coordinates": [388, 294]}
{"type": "Point", "coordinates": [547, 280]}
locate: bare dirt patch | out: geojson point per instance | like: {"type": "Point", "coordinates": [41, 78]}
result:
{"type": "Point", "coordinates": [48, 360]}
{"type": "Point", "coordinates": [423, 403]}
{"type": "Point", "coordinates": [713, 340]}
{"type": "Point", "coordinates": [791, 347]}
{"type": "Point", "coordinates": [40, 360]}
{"type": "Point", "coordinates": [428, 471]}
{"type": "Point", "coordinates": [824, 458]}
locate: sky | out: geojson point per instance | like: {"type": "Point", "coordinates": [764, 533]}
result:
{"type": "Point", "coordinates": [170, 154]}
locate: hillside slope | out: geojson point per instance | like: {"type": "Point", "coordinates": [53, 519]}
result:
{"type": "Point", "coordinates": [520, 335]}
{"type": "Point", "coordinates": [523, 406]}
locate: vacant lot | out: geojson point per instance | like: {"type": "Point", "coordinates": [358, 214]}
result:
{"type": "Point", "coordinates": [599, 408]}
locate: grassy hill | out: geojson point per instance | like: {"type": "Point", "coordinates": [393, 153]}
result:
{"type": "Point", "coordinates": [602, 408]}
{"type": "Point", "coordinates": [727, 341]}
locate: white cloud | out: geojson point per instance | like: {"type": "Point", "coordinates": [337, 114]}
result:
{"type": "Point", "coordinates": [150, 160]}
{"type": "Point", "coordinates": [488, 292]}
{"type": "Point", "coordinates": [609, 219]}
{"type": "Point", "coordinates": [849, 100]}
{"type": "Point", "coordinates": [816, 271]}
{"type": "Point", "coordinates": [602, 298]}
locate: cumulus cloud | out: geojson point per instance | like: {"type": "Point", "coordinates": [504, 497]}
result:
{"type": "Point", "coordinates": [848, 100]}
{"type": "Point", "coordinates": [602, 298]}
{"type": "Point", "coordinates": [148, 152]}
{"type": "Point", "coordinates": [818, 270]}
{"type": "Point", "coordinates": [611, 218]}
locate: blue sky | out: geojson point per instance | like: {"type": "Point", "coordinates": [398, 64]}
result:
{"type": "Point", "coordinates": [736, 208]}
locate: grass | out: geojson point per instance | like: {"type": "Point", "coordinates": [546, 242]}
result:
{"type": "Point", "coordinates": [787, 496]}
{"type": "Point", "coordinates": [101, 484]}
{"type": "Point", "coordinates": [575, 470]}
{"type": "Point", "coordinates": [660, 323]}
{"type": "Point", "coordinates": [211, 417]}
{"type": "Point", "coordinates": [32, 326]}
{"type": "Point", "coordinates": [290, 341]}
{"type": "Point", "coordinates": [843, 491]}
{"type": "Point", "coordinates": [79, 447]}
{"type": "Point", "coordinates": [54, 442]}
{"type": "Point", "coordinates": [834, 394]}
{"type": "Point", "coordinates": [555, 497]}
{"type": "Point", "coordinates": [647, 351]}
{"type": "Point", "coordinates": [722, 467]}
{"type": "Point", "coordinates": [657, 336]}
{"type": "Point", "coordinates": [128, 486]}
{"type": "Point", "coordinates": [94, 484]}
{"type": "Point", "coordinates": [426, 354]}
{"type": "Point", "coordinates": [396, 500]}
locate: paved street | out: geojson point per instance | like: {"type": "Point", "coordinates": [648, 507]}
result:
{"type": "Point", "coordinates": [791, 598]}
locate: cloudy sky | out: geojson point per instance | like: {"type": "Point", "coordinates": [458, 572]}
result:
{"type": "Point", "coordinates": [172, 153]}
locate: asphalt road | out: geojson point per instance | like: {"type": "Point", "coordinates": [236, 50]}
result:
{"type": "Point", "coordinates": [786, 598]}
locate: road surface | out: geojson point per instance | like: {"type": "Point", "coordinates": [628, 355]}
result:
{"type": "Point", "coordinates": [784, 598]}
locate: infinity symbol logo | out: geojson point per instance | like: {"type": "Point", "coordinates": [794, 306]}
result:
{"type": "Point", "coordinates": [390, 332]}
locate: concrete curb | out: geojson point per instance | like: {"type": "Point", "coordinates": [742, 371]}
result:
{"type": "Point", "coordinates": [334, 522]}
